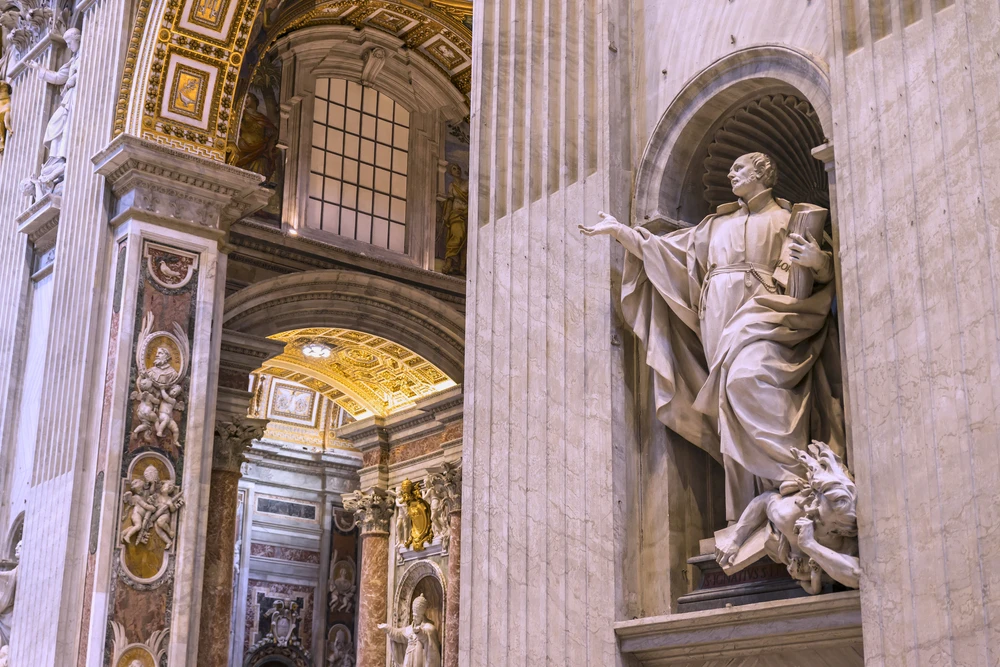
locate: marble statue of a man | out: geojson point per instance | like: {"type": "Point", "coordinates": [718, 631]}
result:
{"type": "Point", "coordinates": [741, 369]}
{"type": "Point", "coordinates": [419, 640]}
{"type": "Point", "coordinates": [54, 169]}
{"type": "Point", "coordinates": [8, 588]}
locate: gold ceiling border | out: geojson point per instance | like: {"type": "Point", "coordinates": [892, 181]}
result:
{"type": "Point", "coordinates": [222, 52]}
{"type": "Point", "coordinates": [179, 33]}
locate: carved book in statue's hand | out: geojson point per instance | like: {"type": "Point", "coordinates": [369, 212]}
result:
{"type": "Point", "coordinates": [798, 280]}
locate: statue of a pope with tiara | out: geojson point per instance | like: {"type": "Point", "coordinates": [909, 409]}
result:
{"type": "Point", "coordinates": [735, 314]}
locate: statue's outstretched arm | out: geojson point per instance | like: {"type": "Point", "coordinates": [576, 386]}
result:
{"type": "Point", "coordinates": [630, 239]}
{"type": "Point", "coordinates": [843, 567]}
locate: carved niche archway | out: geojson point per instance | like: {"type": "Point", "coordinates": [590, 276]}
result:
{"type": "Point", "coordinates": [681, 176]}
{"type": "Point", "coordinates": [422, 577]}
{"type": "Point", "coordinates": [352, 300]}
{"type": "Point", "coordinates": [670, 182]}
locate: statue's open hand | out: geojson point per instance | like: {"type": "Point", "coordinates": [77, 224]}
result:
{"type": "Point", "coordinates": [726, 552]}
{"type": "Point", "coordinates": [606, 225]}
{"type": "Point", "coordinates": [805, 530]}
{"type": "Point", "coordinates": [384, 627]}
{"type": "Point", "coordinates": [805, 251]}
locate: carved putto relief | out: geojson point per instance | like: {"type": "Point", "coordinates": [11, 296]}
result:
{"type": "Point", "coordinates": [339, 647]}
{"type": "Point", "coordinates": [444, 492]}
{"type": "Point", "coordinates": [162, 361]}
{"type": "Point", "coordinates": [284, 617]}
{"type": "Point", "coordinates": [342, 585]}
{"type": "Point", "coordinates": [150, 504]}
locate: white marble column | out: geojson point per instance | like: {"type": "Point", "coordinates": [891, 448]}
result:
{"type": "Point", "coordinates": [917, 144]}
{"type": "Point", "coordinates": [545, 403]}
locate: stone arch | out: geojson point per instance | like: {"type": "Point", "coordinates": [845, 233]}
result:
{"type": "Point", "coordinates": [351, 300]}
{"type": "Point", "coordinates": [421, 577]}
{"type": "Point", "coordinates": [664, 187]}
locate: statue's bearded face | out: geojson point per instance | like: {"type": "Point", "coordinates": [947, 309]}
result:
{"type": "Point", "coordinates": [162, 357]}
{"type": "Point", "coordinates": [743, 175]}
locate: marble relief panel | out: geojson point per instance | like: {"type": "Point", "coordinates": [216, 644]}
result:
{"type": "Point", "coordinates": [151, 499]}
{"type": "Point", "coordinates": [344, 579]}
{"type": "Point", "coordinates": [261, 596]}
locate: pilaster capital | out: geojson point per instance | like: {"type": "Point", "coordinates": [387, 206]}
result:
{"type": "Point", "coordinates": [372, 509]}
{"type": "Point", "coordinates": [446, 480]}
{"type": "Point", "coordinates": [232, 438]}
{"type": "Point", "coordinates": [166, 186]}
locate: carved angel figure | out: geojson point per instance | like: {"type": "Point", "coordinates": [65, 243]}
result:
{"type": "Point", "coordinates": [415, 645]}
{"type": "Point", "coordinates": [158, 387]}
{"type": "Point", "coordinates": [167, 500]}
{"type": "Point", "coordinates": [440, 507]}
{"type": "Point", "coordinates": [141, 509]}
{"type": "Point", "coordinates": [403, 524]}
{"type": "Point", "coordinates": [341, 591]}
{"type": "Point", "coordinates": [811, 526]}
{"type": "Point", "coordinates": [341, 651]}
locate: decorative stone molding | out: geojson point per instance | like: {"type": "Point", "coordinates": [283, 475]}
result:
{"type": "Point", "coordinates": [41, 222]}
{"type": "Point", "coordinates": [372, 509]}
{"type": "Point", "coordinates": [374, 60]}
{"type": "Point", "coordinates": [173, 188]}
{"type": "Point", "coordinates": [232, 439]}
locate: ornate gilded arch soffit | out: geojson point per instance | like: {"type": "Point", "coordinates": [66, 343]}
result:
{"type": "Point", "coordinates": [189, 62]}
{"type": "Point", "coordinates": [364, 374]}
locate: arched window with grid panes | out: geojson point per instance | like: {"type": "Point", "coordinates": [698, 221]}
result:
{"type": "Point", "coordinates": [358, 164]}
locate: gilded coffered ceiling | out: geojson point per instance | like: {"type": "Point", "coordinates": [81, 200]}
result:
{"type": "Point", "coordinates": [364, 374]}
{"type": "Point", "coordinates": [189, 61]}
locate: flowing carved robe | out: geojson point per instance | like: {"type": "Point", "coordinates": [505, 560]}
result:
{"type": "Point", "coordinates": [8, 588]}
{"type": "Point", "coordinates": [741, 372]}
{"type": "Point", "coordinates": [421, 646]}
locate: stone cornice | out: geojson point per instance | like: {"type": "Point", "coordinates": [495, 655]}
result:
{"type": "Point", "coordinates": [244, 351]}
{"type": "Point", "coordinates": [753, 629]}
{"type": "Point", "coordinates": [170, 187]}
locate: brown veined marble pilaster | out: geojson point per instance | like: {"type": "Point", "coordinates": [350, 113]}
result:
{"type": "Point", "coordinates": [372, 510]}
{"type": "Point", "coordinates": [454, 591]}
{"type": "Point", "coordinates": [231, 439]}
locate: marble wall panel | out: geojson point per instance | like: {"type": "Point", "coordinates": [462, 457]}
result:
{"type": "Point", "coordinates": [917, 142]}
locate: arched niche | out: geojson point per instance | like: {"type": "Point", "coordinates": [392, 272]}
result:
{"type": "Point", "coordinates": [680, 487]}
{"type": "Point", "coordinates": [352, 300]}
{"type": "Point", "coordinates": [669, 184]}
{"type": "Point", "coordinates": [14, 536]}
{"type": "Point", "coordinates": [422, 577]}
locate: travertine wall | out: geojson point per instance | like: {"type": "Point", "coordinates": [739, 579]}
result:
{"type": "Point", "coordinates": [676, 40]}
{"type": "Point", "coordinates": [545, 403]}
{"type": "Point", "coordinates": [917, 141]}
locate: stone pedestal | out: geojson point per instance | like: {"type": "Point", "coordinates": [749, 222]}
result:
{"type": "Point", "coordinates": [372, 509]}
